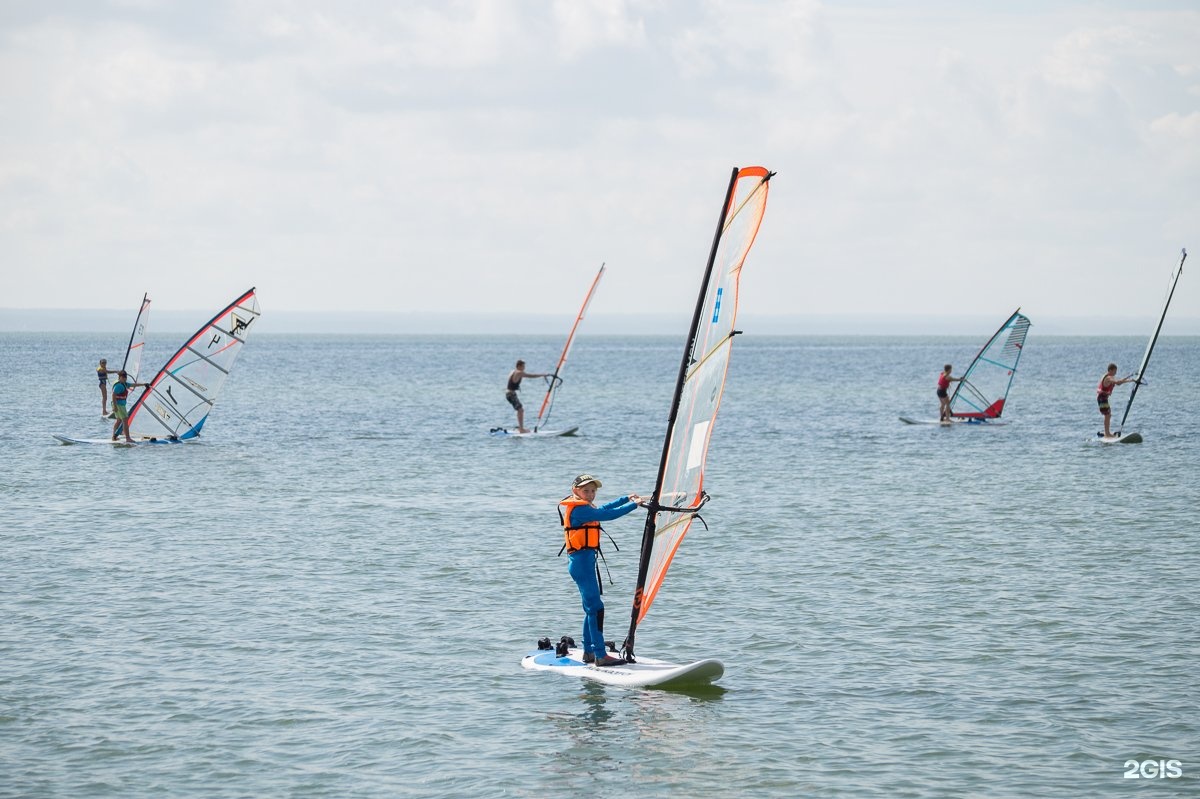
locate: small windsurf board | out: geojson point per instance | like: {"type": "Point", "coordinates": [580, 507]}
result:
{"type": "Point", "coordinates": [1132, 437]}
{"type": "Point", "coordinates": [501, 432]}
{"type": "Point", "coordinates": [645, 673]}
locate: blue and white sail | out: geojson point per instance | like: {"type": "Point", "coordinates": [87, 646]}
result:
{"type": "Point", "coordinates": [983, 390]}
{"type": "Point", "coordinates": [182, 394]}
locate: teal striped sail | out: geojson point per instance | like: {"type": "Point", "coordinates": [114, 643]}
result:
{"type": "Point", "coordinates": [982, 392]}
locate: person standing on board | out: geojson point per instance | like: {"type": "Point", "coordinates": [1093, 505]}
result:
{"type": "Point", "coordinates": [102, 372]}
{"type": "Point", "coordinates": [943, 392]}
{"type": "Point", "coordinates": [581, 526]}
{"type": "Point", "coordinates": [120, 396]}
{"type": "Point", "coordinates": [1104, 391]}
{"type": "Point", "coordinates": [510, 393]}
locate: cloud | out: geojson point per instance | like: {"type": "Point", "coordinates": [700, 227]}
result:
{"type": "Point", "coordinates": [484, 156]}
{"type": "Point", "coordinates": [586, 25]}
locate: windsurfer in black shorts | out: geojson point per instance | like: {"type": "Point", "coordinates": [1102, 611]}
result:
{"type": "Point", "coordinates": [510, 393]}
{"type": "Point", "coordinates": [102, 372]}
{"type": "Point", "coordinates": [943, 392]}
{"type": "Point", "coordinates": [1104, 390]}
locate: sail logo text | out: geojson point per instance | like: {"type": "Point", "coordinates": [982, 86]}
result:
{"type": "Point", "coordinates": [717, 306]}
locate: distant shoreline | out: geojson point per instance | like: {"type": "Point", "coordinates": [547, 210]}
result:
{"type": "Point", "coordinates": [293, 322]}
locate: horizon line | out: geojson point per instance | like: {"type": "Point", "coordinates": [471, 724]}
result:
{"type": "Point", "coordinates": [66, 320]}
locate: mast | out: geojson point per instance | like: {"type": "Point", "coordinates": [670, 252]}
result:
{"type": "Point", "coordinates": [544, 411]}
{"type": "Point", "coordinates": [1141, 372]}
{"type": "Point", "coordinates": [685, 362]}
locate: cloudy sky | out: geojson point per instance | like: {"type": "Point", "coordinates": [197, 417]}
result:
{"type": "Point", "coordinates": [485, 156]}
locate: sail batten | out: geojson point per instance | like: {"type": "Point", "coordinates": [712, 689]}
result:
{"type": "Point", "coordinates": [204, 357]}
{"type": "Point", "coordinates": [555, 379]}
{"type": "Point", "coordinates": [1141, 372]}
{"type": "Point", "coordinates": [679, 487]}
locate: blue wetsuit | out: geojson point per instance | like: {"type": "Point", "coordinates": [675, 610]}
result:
{"type": "Point", "coordinates": [581, 565]}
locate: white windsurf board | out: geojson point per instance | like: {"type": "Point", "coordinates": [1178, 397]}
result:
{"type": "Point", "coordinates": [646, 673]}
{"type": "Point", "coordinates": [501, 432]}
{"type": "Point", "coordinates": [1132, 437]}
{"type": "Point", "coordinates": [118, 442]}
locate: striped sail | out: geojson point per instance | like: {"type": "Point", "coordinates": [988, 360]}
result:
{"type": "Point", "coordinates": [556, 378]}
{"type": "Point", "coordinates": [137, 341]}
{"type": "Point", "coordinates": [679, 490]}
{"type": "Point", "coordinates": [178, 401]}
{"type": "Point", "coordinates": [984, 387]}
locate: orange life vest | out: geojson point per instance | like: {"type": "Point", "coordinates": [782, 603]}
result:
{"type": "Point", "coordinates": [585, 536]}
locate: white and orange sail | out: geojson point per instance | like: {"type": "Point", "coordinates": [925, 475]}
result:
{"type": "Point", "coordinates": [679, 490]}
{"type": "Point", "coordinates": [555, 379]}
{"type": "Point", "coordinates": [137, 341]}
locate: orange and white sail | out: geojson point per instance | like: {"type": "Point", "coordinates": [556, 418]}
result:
{"type": "Point", "coordinates": [555, 379]}
{"type": "Point", "coordinates": [137, 341]}
{"type": "Point", "coordinates": [679, 491]}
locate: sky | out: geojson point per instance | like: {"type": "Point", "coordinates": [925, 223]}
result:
{"type": "Point", "coordinates": [934, 158]}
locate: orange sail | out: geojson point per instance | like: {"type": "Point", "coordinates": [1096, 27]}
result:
{"type": "Point", "coordinates": [555, 380]}
{"type": "Point", "coordinates": [679, 492]}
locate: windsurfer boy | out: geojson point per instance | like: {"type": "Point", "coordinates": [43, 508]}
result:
{"type": "Point", "coordinates": [510, 393]}
{"type": "Point", "coordinates": [581, 526]}
{"type": "Point", "coordinates": [120, 395]}
{"type": "Point", "coordinates": [943, 391]}
{"type": "Point", "coordinates": [1104, 391]}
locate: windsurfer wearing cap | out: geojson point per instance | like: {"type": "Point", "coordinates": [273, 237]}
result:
{"type": "Point", "coordinates": [510, 393]}
{"type": "Point", "coordinates": [102, 372]}
{"type": "Point", "coordinates": [120, 394]}
{"type": "Point", "coordinates": [581, 525]}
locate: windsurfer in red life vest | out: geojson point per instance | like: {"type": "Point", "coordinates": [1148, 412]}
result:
{"type": "Point", "coordinates": [943, 389]}
{"type": "Point", "coordinates": [581, 526]}
{"type": "Point", "coordinates": [510, 393]}
{"type": "Point", "coordinates": [1104, 391]}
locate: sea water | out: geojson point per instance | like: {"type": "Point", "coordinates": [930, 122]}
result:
{"type": "Point", "coordinates": [330, 593]}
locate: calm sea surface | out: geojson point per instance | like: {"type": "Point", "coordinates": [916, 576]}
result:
{"type": "Point", "coordinates": [330, 594]}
